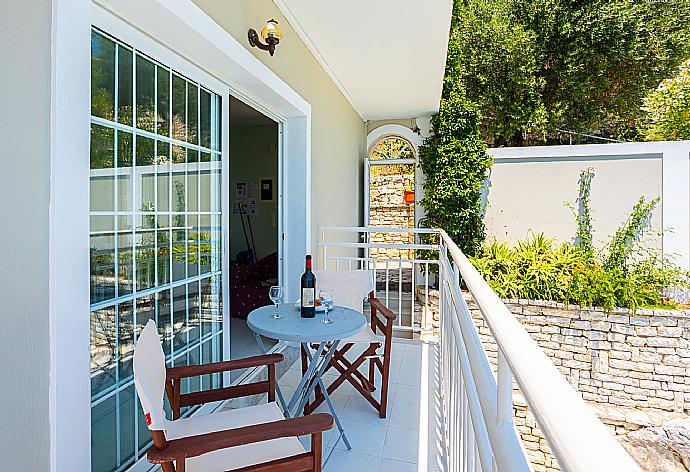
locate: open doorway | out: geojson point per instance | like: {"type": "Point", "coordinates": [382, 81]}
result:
{"type": "Point", "coordinates": [254, 219]}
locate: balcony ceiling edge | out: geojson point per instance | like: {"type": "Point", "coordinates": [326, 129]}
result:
{"type": "Point", "coordinates": [386, 57]}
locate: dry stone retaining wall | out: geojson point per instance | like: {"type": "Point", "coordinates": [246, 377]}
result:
{"type": "Point", "coordinates": [632, 368]}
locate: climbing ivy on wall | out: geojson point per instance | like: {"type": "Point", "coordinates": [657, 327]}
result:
{"type": "Point", "coordinates": [456, 164]}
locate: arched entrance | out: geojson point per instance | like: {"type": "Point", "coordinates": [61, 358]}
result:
{"type": "Point", "coordinates": [392, 186]}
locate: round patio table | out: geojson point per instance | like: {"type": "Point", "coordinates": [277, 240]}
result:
{"type": "Point", "coordinates": [291, 326]}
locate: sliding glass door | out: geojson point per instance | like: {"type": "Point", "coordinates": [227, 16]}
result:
{"type": "Point", "coordinates": [155, 240]}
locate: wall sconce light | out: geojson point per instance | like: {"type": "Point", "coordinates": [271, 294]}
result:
{"type": "Point", "coordinates": [270, 33]}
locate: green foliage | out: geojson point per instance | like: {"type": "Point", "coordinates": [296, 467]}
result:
{"type": "Point", "coordinates": [536, 66]}
{"type": "Point", "coordinates": [540, 269]}
{"type": "Point", "coordinates": [628, 234]}
{"type": "Point", "coordinates": [668, 108]}
{"type": "Point", "coordinates": [455, 163]}
{"type": "Point", "coordinates": [584, 238]}
{"type": "Point", "coordinates": [628, 274]}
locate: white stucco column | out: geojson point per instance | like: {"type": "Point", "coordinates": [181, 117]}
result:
{"type": "Point", "coordinates": [676, 202]}
{"type": "Point", "coordinates": [70, 394]}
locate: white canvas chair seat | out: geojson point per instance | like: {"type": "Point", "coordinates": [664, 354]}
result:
{"type": "Point", "coordinates": [367, 348]}
{"type": "Point", "coordinates": [240, 456]}
{"type": "Point", "coordinates": [351, 288]}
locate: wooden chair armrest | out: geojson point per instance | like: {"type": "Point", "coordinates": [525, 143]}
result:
{"type": "Point", "coordinates": [178, 449]}
{"type": "Point", "coordinates": [185, 371]}
{"type": "Point", "coordinates": [381, 308]}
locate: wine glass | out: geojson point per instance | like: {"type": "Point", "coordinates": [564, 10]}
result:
{"type": "Point", "coordinates": [327, 298]}
{"type": "Point", "coordinates": [275, 293]}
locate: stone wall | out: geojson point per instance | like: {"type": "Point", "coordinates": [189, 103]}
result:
{"type": "Point", "coordinates": [387, 209]}
{"type": "Point", "coordinates": [632, 368]}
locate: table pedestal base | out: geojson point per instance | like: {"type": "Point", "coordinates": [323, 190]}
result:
{"type": "Point", "coordinates": [318, 363]}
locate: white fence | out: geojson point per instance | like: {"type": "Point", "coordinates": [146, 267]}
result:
{"type": "Point", "coordinates": [478, 408]}
{"type": "Point", "coordinates": [529, 185]}
{"type": "Point", "coordinates": [401, 278]}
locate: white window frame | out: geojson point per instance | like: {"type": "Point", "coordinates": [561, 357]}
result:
{"type": "Point", "coordinates": [181, 35]}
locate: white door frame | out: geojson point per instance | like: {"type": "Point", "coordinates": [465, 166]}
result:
{"type": "Point", "coordinates": [187, 32]}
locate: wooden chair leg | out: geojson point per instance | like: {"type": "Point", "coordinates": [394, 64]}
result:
{"type": "Point", "coordinates": [348, 372]}
{"type": "Point", "coordinates": [385, 374]}
{"type": "Point", "coordinates": [271, 382]}
{"type": "Point", "coordinates": [160, 442]}
{"type": "Point", "coordinates": [372, 378]}
{"type": "Point", "coordinates": [316, 450]}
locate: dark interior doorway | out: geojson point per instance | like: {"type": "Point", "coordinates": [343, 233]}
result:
{"type": "Point", "coordinates": [254, 217]}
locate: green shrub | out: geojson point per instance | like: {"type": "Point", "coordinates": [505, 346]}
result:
{"type": "Point", "coordinates": [456, 164]}
{"type": "Point", "coordinates": [540, 269]}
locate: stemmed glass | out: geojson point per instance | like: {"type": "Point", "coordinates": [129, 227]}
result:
{"type": "Point", "coordinates": [327, 298]}
{"type": "Point", "coordinates": [275, 293]}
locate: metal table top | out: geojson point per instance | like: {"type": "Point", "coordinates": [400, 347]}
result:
{"type": "Point", "coordinates": [292, 327]}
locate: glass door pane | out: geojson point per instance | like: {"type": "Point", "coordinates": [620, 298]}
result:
{"type": "Point", "coordinates": [155, 234]}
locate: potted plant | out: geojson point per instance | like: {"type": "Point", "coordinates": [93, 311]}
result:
{"type": "Point", "coordinates": [408, 195]}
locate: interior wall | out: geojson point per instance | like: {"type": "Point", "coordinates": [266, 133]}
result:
{"type": "Point", "coordinates": [337, 131]}
{"type": "Point", "coordinates": [254, 156]}
{"type": "Point", "coordinates": [25, 114]}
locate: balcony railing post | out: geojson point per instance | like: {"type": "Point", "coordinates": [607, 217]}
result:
{"type": "Point", "coordinates": [477, 402]}
{"type": "Point", "coordinates": [504, 413]}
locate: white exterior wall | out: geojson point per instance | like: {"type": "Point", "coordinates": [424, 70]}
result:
{"type": "Point", "coordinates": [528, 187]}
{"type": "Point", "coordinates": [25, 30]}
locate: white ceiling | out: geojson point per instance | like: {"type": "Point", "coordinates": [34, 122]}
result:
{"type": "Point", "coordinates": [386, 56]}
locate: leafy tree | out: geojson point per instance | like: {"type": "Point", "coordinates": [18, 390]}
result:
{"type": "Point", "coordinates": [668, 108]}
{"type": "Point", "coordinates": [537, 66]}
{"type": "Point", "coordinates": [455, 163]}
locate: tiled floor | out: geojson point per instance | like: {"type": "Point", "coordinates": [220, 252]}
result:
{"type": "Point", "coordinates": [408, 439]}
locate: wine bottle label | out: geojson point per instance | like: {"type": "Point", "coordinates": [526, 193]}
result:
{"type": "Point", "coordinates": [307, 297]}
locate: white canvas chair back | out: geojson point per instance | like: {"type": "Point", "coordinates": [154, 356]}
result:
{"type": "Point", "coordinates": [351, 286]}
{"type": "Point", "coordinates": [149, 376]}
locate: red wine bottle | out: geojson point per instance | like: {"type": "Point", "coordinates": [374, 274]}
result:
{"type": "Point", "coordinates": [308, 296]}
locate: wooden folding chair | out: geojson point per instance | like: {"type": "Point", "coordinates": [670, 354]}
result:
{"type": "Point", "coordinates": [351, 288]}
{"type": "Point", "coordinates": [255, 438]}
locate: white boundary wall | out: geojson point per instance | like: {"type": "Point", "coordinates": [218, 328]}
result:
{"type": "Point", "coordinates": [529, 185]}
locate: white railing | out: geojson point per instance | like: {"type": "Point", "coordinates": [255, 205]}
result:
{"type": "Point", "coordinates": [401, 278]}
{"type": "Point", "coordinates": [478, 406]}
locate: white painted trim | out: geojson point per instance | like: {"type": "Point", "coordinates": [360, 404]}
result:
{"type": "Point", "coordinates": [187, 31]}
{"type": "Point", "coordinates": [584, 150]}
{"type": "Point", "coordinates": [416, 140]}
{"type": "Point", "coordinates": [675, 156]}
{"type": "Point", "coordinates": [69, 395]}
{"type": "Point", "coordinates": [290, 17]}
{"type": "Point", "coordinates": [675, 204]}
{"type": "Point", "coordinates": [393, 130]}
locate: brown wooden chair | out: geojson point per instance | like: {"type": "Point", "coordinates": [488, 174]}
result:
{"type": "Point", "coordinates": [255, 438]}
{"type": "Point", "coordinates": [351, 288]}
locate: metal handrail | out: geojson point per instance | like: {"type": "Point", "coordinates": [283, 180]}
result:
{"type": "Point", "coordinates": [478, 416]}
{"type": "Point", "coordinates": [578, 439]}
{"type": "Point", "coordinates": [376, 229]}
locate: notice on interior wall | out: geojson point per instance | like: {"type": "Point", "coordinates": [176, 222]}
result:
{"type": "Point", "coordinates": [266, 190]}
{"type": "Point", "coordinates": [247, 194]}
